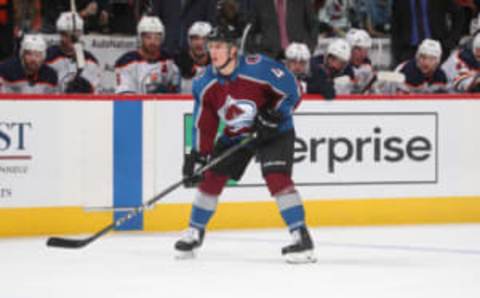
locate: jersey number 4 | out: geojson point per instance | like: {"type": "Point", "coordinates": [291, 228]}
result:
{"type": "Point", "coordinates": [278, 72]}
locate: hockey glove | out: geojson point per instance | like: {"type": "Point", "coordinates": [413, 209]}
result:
{"type": "Point", "coordinates": [192, 162]}
{"type": "Point", "coordinates": [267, 125]}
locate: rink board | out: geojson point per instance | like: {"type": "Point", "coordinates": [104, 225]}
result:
{"type": "Point", "coordinates": [65, 162]}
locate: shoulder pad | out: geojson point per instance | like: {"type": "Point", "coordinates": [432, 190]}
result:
{"type": "Point", "coordinates": [53, 53]}
{"type": "Point", "coordinates": [48, 74]}
{"type": "Point", "coordinates": [11, 69]}
{"type": "Point", "coordinates": [203, 79]}
{"type": "Point", "coordinates": [90, 56]}
{"type": "Point", "coordinates": [128, 58]}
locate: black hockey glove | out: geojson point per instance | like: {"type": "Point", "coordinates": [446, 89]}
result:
{"type": "Point", "coordinates": [192, 162]}
{"type": "Point", "coordinates": [79, 85]}
{"type": "Point", "coordinates": [267, 125]}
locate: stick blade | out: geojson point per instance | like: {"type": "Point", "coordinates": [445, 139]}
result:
{"type": "Point", "coordinates": [66, 243]}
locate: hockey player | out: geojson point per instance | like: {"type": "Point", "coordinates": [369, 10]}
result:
{"type": "Point", "coordinates": [297, 61]}
{"type": "Point", "coordinates": [63, 59]}
{"type": "Point", "coordinates": [28, 72]}
{"type": "Point", "coordinates": [193, 60]}
{"type": "Point", "coordinates": [246, 93]}
{"type": "Point", "coordinates": [423, 73]}
{"type": "Point", "coordinates": [360, 42]}
{"type": "Point", "coordinates": [332, 74]}
{"type": "Point", "coordinates": [146, 70]}
{"type": "Point", "coordinates": [462, 68]}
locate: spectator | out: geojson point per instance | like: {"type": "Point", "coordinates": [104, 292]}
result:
{"type": "Point", "coordinates": [192, 61]}
{"type": "Point", "coordinates": [378, 15]}
{"type": "Point", "coordinates": [27, 73]}
{"type": "Point", "coordinates": [360, 42]}
{"type": "Point", "coordinates": [63, 59]}
{"type": "Point", "coordinates": [463, 66]}
{"type": "Point", "coordinates": [6, 29]}
{"type": "Point", "coordinates": [334, 15]}
{"type": "Point", "coordinates": [470, 10]}
{"type": "Point", "coordinates": [147, 70]}
{"type": "Point", "coordinates": [280, 22]}
{"type": "Point", "coordinates": [297, 58]}
{"type": "Point", "coordinates": [331, 74]}
{"type": "Point", "coordinates": [178, 16]}
{"type": "Point", "coordinates": [28, 15]}
{"type": "Point", "coordinates": [422, 73]}
{"type": "Point", "coordinates": [123, 16]}
{"type": "Point", "coordinates": [415, 20]}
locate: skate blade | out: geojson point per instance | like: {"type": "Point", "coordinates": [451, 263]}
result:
{"type": "Point", "coordinates": [185, 255]}
{"type": "Point", "coordinates": [304, 257]}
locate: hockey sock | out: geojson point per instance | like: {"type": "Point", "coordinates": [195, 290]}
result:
{"type": "Point", "coordinates": [288, 200]}
{"type": "Point", "coordinates": [291, 209]}
{"type": "Point", "coordinates": [202, 209]}
{"type": "Point", "coordinates": [213, 183]}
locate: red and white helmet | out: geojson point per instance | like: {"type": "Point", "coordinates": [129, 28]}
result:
{"type": "Point", "coordinates": [430, 47]}
{"type": "Point", "coordinates": [199, 28]}
{"type": "Point", "coordinates": [297, 51]}
{"type": "Point", "coordinates": [359, 38]}
{"type": "Point", "coordinates": [33, 42]}
{"type": "Point", "coordinates": [340, 49]}
{"type": "Point", "coordinates": [69, 22]}
{"type": "Point", "coordinates": [150, 24]}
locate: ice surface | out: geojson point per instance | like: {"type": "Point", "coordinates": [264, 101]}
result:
{"type": "Point", "coordinates": [410, 261]}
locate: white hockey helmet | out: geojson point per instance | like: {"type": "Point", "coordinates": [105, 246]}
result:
{"type": "Point", "coordinates": [69, 22]}
{"type": "Point", "coordinates": [33, 42]}
{"type": "Point", "coordinates": [297, 51]}
{"type": "Point", "coordinates": [199, 28]}
{"type": "Point", "coordinates": [150, 24]}
{"type": "Point", "coordinates": [430, 47]}
{"type": "Point", "coordinates": [340, 49]}
{"type": "Point", "coordinates": [359, 38]}
{"type": "Point", "coordinates": [476, 42]}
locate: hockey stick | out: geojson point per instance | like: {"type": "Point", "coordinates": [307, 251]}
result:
{"type": "Point", "coordinates": [384, 76]}
{"type": "Point", "coordinates": [77, 45]}
{"type": "Point", "coordinates": [79, 243]}
{"type": "Point", "coordinates": [243, 41]}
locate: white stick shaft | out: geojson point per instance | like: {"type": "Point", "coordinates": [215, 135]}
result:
{"type": "Point", "coordinates": [73, 6]}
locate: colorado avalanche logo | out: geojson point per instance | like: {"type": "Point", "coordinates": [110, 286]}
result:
{"type": "Point", "coordinates": [238, 113]}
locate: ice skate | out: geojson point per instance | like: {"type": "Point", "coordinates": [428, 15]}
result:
{"type": "Point", "coordinates": [301, 251]}
{"type": "Point", "coordinates": [186, 247]}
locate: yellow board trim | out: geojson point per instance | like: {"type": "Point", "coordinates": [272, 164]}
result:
{"type": "Point", "coordinates": [247, 215]}
{"type": "Point", "coordinates": [325, 213]}
{"type": "Point", "coordinates": [50, 221]}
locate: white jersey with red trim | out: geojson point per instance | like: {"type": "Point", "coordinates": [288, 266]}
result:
{"type": "Point", "coordinates": [13, 79]}
{"type": "Point", "coordinates": [363, 74]}
{"type": "Point", "coordinates": [135, 74]}
{"type": "Point", "coordinates": [462, 69]}
{"type": "Point", "coordinates": [66, 68]}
